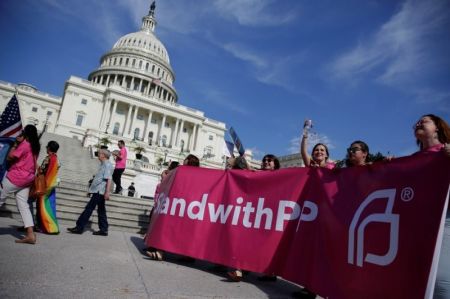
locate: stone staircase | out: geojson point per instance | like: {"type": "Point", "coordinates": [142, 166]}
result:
{"type": "Point", "coordinates": [77, 167]}
{"type": "Point", "coordinates": [76, 162]}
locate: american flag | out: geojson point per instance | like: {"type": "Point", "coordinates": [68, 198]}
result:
{"type": "Point", "coordinates": [157, 81]}
{"type": "Point", "coordinates": [10, 121]}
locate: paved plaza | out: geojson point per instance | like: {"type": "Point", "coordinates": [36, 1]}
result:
{"type": "Point", "coordinates": [87, 266]}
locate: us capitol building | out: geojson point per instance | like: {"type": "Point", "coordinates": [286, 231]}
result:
{"type": "Point", "coordinates": [130, 96]}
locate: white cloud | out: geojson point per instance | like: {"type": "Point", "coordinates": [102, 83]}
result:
{"type": "Point", "coordinates": [313, 139]}
{"type": "Point", "coordinates": [399, 49]}
{"type": "Point", "coordinates": [218, 98]}
{"type": "Point", "coordinates": [246, 55]}
{"type": "Point", "coordinates": [253, 12]}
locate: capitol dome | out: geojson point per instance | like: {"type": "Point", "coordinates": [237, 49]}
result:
{"type": "Point", "coordinates": [139, 62]}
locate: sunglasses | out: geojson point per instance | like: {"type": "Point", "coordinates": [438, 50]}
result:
{"type": "Point", "coordinates": [268, 160]}
{"type": "Point", "coordinates": [353, 150]}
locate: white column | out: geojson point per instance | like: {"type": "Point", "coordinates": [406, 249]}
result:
{"type": "Point", "coordinates": [147, 125]}
{"type": "Point", "coordinates": [127, 120]}
{"type": "Point", "coordinates": [174, 134]}
{"type": "Point", "coordinates": [111, 117]}
{"type": "Point", "coordinates": [140, 85]}
{"type": "Point", "coordinates": [106, 106]}
{"type": "Point", "coordinates": [107, 79]}
{"type": "Point", "coordinates": [195, 133]}
{"type": "Point", "coordinates": [158, 136]}
{"type": "Point", "coordinates": [115, 79]}
{"type": "Point", "coordinates": [180, 131]}
{"type": "Point", "coordinates": [132, 119]}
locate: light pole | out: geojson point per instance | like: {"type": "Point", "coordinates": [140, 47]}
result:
{"type": "Point", "coordinates": [107, 127]}
{"type": "Point", "coordinates": [165, 155]}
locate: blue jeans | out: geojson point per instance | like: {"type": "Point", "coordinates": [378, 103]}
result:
{"type": "Point", "coordinates": [96, 199]}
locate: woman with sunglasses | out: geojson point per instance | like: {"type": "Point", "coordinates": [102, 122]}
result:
{"type": "Point", "coordinates": [432, 135]}
{"type": "Point", "coordinates": [20, 177]}
{"type": "Point", "coordinates": [357, 154]}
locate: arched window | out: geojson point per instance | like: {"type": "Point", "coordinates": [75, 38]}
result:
{"type": "Point", "coordinates": [153, 68]}
{"type": "Point", "coordinates": [146, 67]}
{"type": "Point", "coordinates": [140, 64]}
{"type": "Point", "coordinates": [136, 133]}
{"type": "Point", "coordinates": [164, 140]}
{"type": "Point", "coordinates": [150, 138]}
{"type": "Point", "coordinates": [134, 62]}
{"type": "Point", "coordinates": [126, 62]}
{"type": "Point", "coordinates": [116, 129]}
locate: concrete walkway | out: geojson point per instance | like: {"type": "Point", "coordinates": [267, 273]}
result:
{"type": "Point", "coordinates": [87, 266]}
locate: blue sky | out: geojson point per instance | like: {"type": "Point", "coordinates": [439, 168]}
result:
{"type": "Point", "coordinates": [359, 69]}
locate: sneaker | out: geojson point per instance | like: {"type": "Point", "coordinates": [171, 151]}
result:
{"type": "Point", "coordinates": [100, 233]}
{"type": "Point", "coordinates": [75, 230]}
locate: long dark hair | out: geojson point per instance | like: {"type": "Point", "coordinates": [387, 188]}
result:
{"type": "Point", "coordinates": [31, 135]}
{"type": "Point", "coordinates": [191, 160]}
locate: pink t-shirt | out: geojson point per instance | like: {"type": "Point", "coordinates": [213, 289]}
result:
{"type": "Point", "coordinates": [21, 173]}
{"type": "Point", "coordinates": [121, 163]}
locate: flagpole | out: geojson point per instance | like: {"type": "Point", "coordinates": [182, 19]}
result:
{"type": "Point", "coordinates": [16, 93]}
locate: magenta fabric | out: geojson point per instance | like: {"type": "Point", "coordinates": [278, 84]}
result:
{"type": "Point", "coordinates": [360, 232]}
{"type": "Point", "coordinates": [122, 163]}
{"type": "Point", "coordinates": [22, 172]}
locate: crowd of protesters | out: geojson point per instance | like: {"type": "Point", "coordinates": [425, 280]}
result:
{"type": "Point", "coordinates": [432, 134]}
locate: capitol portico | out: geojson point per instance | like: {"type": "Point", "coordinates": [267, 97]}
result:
{"type": "Point", "coordinates": [130, 96]}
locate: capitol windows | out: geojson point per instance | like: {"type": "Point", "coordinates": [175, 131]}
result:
{"type": "Point", "coordinates": [120, 61]}
{"type": "Point", "coordinates": [80, 118]}
{"type": "Point", "coordinates": [211, 137]}
{"type": "Point", "coordinates": [34, 109]}
{"type": "Point", "coordinates": [184, 130]}
{"type": "Point", "coordinates": [83, 102]}
{"type": "Point", "coordinates": [115, 61]}
{"type": "Point", "coordinates": [146, 66]}
{"type": "Point", "coordinates": [116, 129]}
{"type": "Point", "coordinates": [153, 121]}
{"type": "Point", "coordinates": [136, 133]}
{"type": "Point", "coordinates": [49, 113]}
{"type": "Point", "coordinates": [140, 64]}
{"type": "Point", "coordinates": [153, 68]}
{"type": "Point", "coordinates": [133, 63]}
{"type": "Point", "coordinates": [126, 61]}
{"type": "Point", "coordinates": [164, 140]}
{"type": "Point", "coordinates": [166, 125]}
{"type": "Point", "coordinates": [150, 138]}
{"type": "Point", "coordinates": [140, 117]}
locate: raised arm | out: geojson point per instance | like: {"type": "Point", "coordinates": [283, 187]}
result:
{"type": "Point", "coordinates": [304, 151]}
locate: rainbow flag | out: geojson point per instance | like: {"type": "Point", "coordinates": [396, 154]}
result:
{"type": "Point", "coordinates": [47, 202]}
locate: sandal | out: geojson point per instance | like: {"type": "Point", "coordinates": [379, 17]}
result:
{"type": "Point", "coordinates": [154, 255]}
{"type": "Point", "coordinates": [235, 275]}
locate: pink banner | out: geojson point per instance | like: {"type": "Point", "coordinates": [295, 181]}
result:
{"type": "Point", "coordinates": [364, 232]}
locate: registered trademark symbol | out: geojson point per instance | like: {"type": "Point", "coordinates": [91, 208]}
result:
{"type": "Point", "coordinates": [407, 194]}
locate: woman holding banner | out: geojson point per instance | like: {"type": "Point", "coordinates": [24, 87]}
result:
{"type": "Point", "coordinates": [20, 176]}
{"type": "Point", "coordinates": [357, 154]}
{"type": "Point", "coordinates": [269, 163]}
{"type": "Point", "coordinates": [154, 253]}
{"type": "Point", "coordinates": [319, 156]}
{"type": "Point", "coordinates": [432, 135]}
